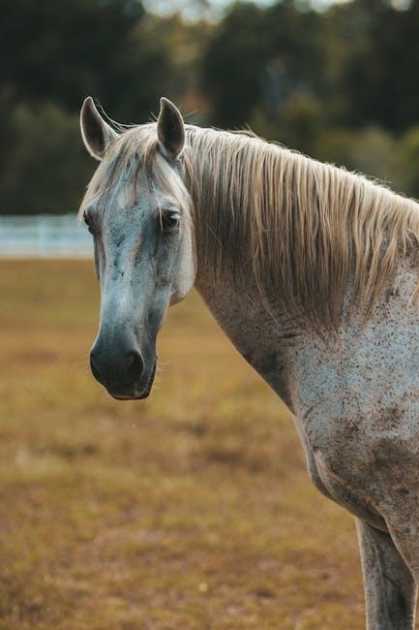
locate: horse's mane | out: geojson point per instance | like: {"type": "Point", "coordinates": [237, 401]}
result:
{"type": "Point", "coordinates": [305, 230]}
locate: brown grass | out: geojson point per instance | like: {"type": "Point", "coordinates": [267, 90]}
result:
{"type": "Point", "coordinates": [189, 511]}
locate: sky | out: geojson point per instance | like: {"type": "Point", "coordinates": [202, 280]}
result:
{"type": "Point", "coordinates": [317, 3]}
{"type": "Point", "coordinates": [191, 7]}
{"type": "Point", "coordinates": [167, 6]}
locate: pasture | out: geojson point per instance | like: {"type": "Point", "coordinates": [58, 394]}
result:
{"type": "Point", "coordinates": [191, 510]}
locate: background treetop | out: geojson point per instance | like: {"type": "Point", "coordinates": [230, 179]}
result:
{"type": "Point", "coordinates": [339, 84]}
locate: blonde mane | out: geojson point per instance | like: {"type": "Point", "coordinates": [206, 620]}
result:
{"type": "Point", "coordinates": [305, 230]}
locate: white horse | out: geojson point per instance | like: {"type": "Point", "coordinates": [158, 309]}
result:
{"type": "Point", "coordinates": [312, 273]}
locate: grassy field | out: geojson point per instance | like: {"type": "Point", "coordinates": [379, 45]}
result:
{"type": "Point", "coordinates": [191, 510]}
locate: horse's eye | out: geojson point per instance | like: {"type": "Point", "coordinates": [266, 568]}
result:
{"type": "Point", "coordinates": [170, 220]}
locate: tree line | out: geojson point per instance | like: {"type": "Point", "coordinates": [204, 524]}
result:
{"type": "Point", "coordinates": [340, 85]}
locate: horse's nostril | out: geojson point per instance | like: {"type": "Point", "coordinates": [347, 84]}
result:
{"type": "Point", "coordinates": [134, 364]}
{"type": "Point", "coordinates": [114, 365]}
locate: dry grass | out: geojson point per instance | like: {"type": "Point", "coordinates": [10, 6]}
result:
{"type": "Point", "coordinates": [189, 511]}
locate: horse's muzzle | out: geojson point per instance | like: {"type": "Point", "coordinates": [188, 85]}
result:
{"type": "Point", "coordinates": [135, 391]}
{"type": "Point", "coordinates": [122, 371]}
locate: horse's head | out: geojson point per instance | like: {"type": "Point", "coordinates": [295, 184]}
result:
{"type": "Point", "coordinates": [138, 211]}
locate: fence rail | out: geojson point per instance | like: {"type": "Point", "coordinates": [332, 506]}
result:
{"type": "Point", "coordinates": [44, 236]}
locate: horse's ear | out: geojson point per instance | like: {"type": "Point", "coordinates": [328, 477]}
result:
{"type": "Point", "coordinates": [96, 133]}
{"type": "Point", "coordinates": [170, 129]}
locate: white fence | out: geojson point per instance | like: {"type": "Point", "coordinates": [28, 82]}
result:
{"type": "Point", "coordinates": [44, 236]}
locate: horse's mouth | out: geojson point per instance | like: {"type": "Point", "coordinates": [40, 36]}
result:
{"type": "Point", "coordinates": [133, 391]}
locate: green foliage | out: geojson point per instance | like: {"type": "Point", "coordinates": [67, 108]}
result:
{"type": "Point", "coordinates": [258, 58]}
{"type": "Point", "coordinates": [371, 151]}
{"type": "Point", "coordinates": [232, 65]}
{"type": "Point", "coordinates": [379, 78]}
{"type": "Point", "coordinates": [46, 167]}
{"type": "Point", "coordinates": [410, 161]}
{"type": "Point", "coordinates": [339, 85]}
{"type": "Point", "coordinates": [52, 57]}
{"type": "Point", "coordinates": [56, 52]}
{"type": "Point", "coordinates": [297, 124]}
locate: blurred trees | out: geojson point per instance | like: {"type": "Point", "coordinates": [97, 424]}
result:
{"type": "Point", "coordinates": [232, 65]}
{"type": "Point", "coordinates": [56, 52]}
{"type": "Point", "coordinates": [52, 56]}
{"type": "Point", "coordinates": [380, 71]}
{"type": "Point", "coordinates": [44, 167]}
{"type": "Point", "coordinates": [339, 84]}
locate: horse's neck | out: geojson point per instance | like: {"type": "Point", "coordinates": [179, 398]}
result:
{"type": "Point", "coordinates": [266, 340]}
{"type": "Point", "coordinates": [299, 364]}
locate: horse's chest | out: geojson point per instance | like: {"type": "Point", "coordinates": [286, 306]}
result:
{"type": "Point", "coordinates": [357, 403]}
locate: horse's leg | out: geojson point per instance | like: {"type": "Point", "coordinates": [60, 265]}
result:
{"type": "Point", "coordinates": [390, 590]}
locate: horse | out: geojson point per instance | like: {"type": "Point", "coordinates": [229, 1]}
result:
{"type": "Point", "coordinates": [310, 270]}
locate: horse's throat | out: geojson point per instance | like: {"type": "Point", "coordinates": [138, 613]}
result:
{"type": "Point", "coordinates": [266, 340]}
